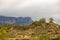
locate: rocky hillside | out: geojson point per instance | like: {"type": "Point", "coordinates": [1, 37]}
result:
{"type": "Point", "coordinates": [34, 31]}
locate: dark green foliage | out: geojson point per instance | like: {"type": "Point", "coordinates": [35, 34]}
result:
{"type": "Point", "coordinates": [36, 23]}
{"type": "Point", "coordinates": [51, 20]}
{"type": "Point", "coordinates": [33, 34]}
{"type": "Point", "coordinates": [42, 20]}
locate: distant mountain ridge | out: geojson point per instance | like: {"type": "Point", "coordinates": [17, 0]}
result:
{"type": "Point", "coordinates": [15, 20]}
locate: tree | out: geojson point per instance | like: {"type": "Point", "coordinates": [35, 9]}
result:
{"type": "Point", "coordinates": [36, 23]}
{"type": "Point", "coordinates": [44, 37]}
{"type": "Point", "coordinates": [42, 20]}
{"type": "Point", "coordinates": [3, 33]}
{"type": "Point", "coordinates": [51, 20]}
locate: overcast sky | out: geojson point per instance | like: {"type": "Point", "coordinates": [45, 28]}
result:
{"type": "Point", "coordinates": [32, 8]}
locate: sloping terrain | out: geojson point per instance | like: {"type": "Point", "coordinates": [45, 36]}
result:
{"type": "Point", "coordinates": [53, 30]}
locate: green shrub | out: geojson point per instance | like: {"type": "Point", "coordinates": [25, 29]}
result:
{"type": "Point", "coordinates": [44, 37]}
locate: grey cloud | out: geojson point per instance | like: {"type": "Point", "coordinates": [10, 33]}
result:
{"type": "Point", "coordinates": [31, 8]}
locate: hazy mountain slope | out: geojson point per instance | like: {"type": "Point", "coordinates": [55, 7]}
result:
{"type": "Point", "coordinates": [18, 20]}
